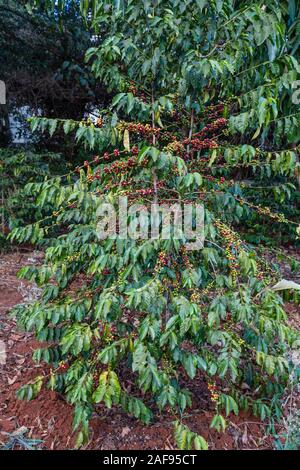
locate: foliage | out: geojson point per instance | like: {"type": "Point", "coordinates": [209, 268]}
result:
{"type": "Point", "coordinates": [186, 439]}
{"type": "Point", "coordinates": [193, 119]}
{"type": "Point", "coordinates": [19, 167]}
{"type": "Point", "coordinates": [52, 78]}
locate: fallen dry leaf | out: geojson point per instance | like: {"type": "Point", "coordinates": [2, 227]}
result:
{"type": "Point", "coordinates": [13, 380]}
{"type": "Point", "coordinates": [20, 361]}
{"type": "Point", "coordinates": [245, 436]}
{"type": "Point", "coordinates": [16, 337]}
{"type": "Point", "coordinates": [125, 431]}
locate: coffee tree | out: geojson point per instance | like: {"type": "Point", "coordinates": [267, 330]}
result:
{"type": "Point", "coordinates": [202, 114]}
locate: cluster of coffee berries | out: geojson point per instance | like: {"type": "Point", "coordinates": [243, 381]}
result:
{"type": "Point", "coordinates": [106, 272]}
{"type": "Point", "coordinates": [63, 367]}
{"type": "Point", "coordinates": [162, 260]}
{"type": "Point", "coordinates": [88, 294]}
{"type": "Point", "coordinates": [167, 136]}
{"type": "Point", "coordinates": [260, 275]}
{"type": "Point", "coordinates": [110, 335]}
{"type": "Point", "coordinates": [94, 176]}
{"type": "Point", "coordinates": [138, 128]}
{"type": "Point", "coordinates": [176, 115]}
{"type": "Point", "coordinates": [265, 272]}
{"type": "Point", "coordinates": [233, 264]}
{"type": "Point", "coordinates": [135, 150]}
{"type": "Point", "coordinates": [179, 117]}
{"type": "Point", "coordinates": [144, 192]}
{"type": "Point", "coordinates": [227, 233]}
{"type": "Point", "coordinates": [220, 181]}
{"type": "Point", "coordinates": [96, 159]}
{"type": "Point", "coordinates": [215, 107]}
{"type": "Point", "coordinates": [185, 258]}
{"type": "Point", "coordinates": [214, 395]}
{"type": "Point", "coordinates": [86, 165]}
{"type": "Point", "coordinates": [121, 274]}
{"type": "Point", "coordinates": [266, 211]}
{"type": "Point", "coordinates": [120, 167]}
{"type": "Point", "coordinates": [133, 89]}
{"type": "Point", "coordinates": [106, 157]}
{"type": "Point", "coordinates": [72, 258]}
{"type": "Point", "coordinates": [176, 285]}
{"type": "Point", "coordinates": [175, 147]}
{"type": "Point", "coordinates": [208, 288]}
{"type": "Point", "coordinates": [212, 128]}
{"type": "Point", "coordinates": [229, 328]}
{"type": "Point", "coordinates": [195, 297]}
{"type": "Point", "coordinates": [167, 365]}
{"type": "Point", "coordinates": [215, 111]}
{"type": "Point", "coordinates": [106, 331]}
{"type": "Point", "coordinates": [198, 144]}
{"type": "Point", "coordinates": [99, 122]}
{"type": "Point", "coordinates": [233, 244]}
{"type": "Point", "coordinates": [123, 184]}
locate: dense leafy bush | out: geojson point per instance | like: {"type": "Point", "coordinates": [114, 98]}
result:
{"type": "Point", "coordinates": [19, 167]}
{"type": "Point", "coordinates": [193, 117]}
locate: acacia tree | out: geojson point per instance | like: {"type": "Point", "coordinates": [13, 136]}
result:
{"type": "Point", "coordinates": [192, 94]}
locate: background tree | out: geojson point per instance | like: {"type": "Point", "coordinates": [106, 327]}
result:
{"type": "Point", "coordinates": [42, 62]}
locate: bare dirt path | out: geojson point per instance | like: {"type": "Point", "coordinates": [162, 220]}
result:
{"type": "Point", "coordinates": [49, 417]}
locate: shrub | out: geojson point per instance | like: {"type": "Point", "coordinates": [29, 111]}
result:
{"type": "Point", "coordinates": [19, 167]}
{"type": "Point", "coordinates": [149, 309]}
